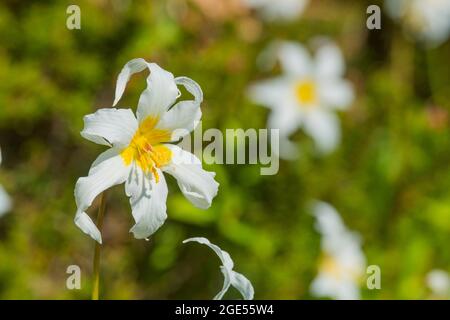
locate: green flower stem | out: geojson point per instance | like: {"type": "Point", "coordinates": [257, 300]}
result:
{"type": "Point", "coordinates": [98, 246]}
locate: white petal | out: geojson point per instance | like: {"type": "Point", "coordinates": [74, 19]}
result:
{"type": "Point", "coordinates": [329, 222]}
{"type": "Point", "coordinates": [295, 59]}
{"type": "Point", "coordinates": [130, 68]}
{"type": "Point", "coordinates": [237, 280]}
{"type": "Point", "coordinates": [324, 128]}
{"type": "Point", "coordinates": [223, 255]}
{"type": "Point", "coordinates": [348, 290]}
{"type": "Point", "coordinates": [270, 92]}
{"type": "Point", "coordinates": [110, 127]}
{"type": "Point", "coordinates": [197, 185]}
{"type": "Point", "coordinates": [5, 201]}
{"type": "Point", "coordinates": [148, 205]}
{"type": "Point", "coordinates": [226, 283]}
{"type": "Point", "coordinates": [273, 10]}
{"type": "Point", "coordinates": [160, 94]}
{"type": "Point", "coordinates": [103, 175]}
{"type": "Point", "coordinates": [243, 285]}
{"type": "Point", "coordinates": [329, 62]}
{"type": "Point", "coordinates": [337, 94]}
{"type": "Point", "coordinates": [182, 118]}
{"type": "Point", "coordinates": [287, 118]}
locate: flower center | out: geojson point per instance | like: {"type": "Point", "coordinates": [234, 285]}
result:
{"type": "Point", "coordinates": [305, 92]}
{"type": "Point", "coordinates": [335, 269]}
{"type": "Point", "coordinates": [146, 147]}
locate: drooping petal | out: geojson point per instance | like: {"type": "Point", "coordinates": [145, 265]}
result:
{"type": "Point", "coordinates": [197, 185]}
{"type": "Point", "coordinates": [243, 285]}
{"type": "Point", "coordinates": [103, 175]}
{"type": "Point", "coordinates": [223, 255]}
{"type": "Point", "coordinates": [324, 128]}
{"type": "Point", "coordinates": [337, 94]}
{"type": "Point", "coordinates": [231, 278]}
{"type": "Point", "coordinates": [329, 62]}
{"type": "Point", "coordinates": [5, 201]}
{"type": "Point", "coordinates": [226, 283]}
{"type": "Point", "coordinates": [184, 116]}
{"type": "Point", "coordinates": [295, 59]}
{"type": "Point", "coordinates": [110, 127]}
{"type": "Point", "coordinates": [148, 202]}
{"type": "Point", "coordinates": [160, 94]}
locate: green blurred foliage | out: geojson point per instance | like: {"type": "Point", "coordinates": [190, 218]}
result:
{"type": "Point", "coordinates": [389, 178]}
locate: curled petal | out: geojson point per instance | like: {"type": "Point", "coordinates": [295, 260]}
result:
{"type": "Point", "coordinates": [231, 278]}
{"type": "Point", "coordinates": [183, 117]}
{"type": "Point", "coordinates": [130, 68]}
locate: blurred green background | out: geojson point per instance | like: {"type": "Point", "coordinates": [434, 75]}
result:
{"type": "Point", "coordinates": [389, 178]}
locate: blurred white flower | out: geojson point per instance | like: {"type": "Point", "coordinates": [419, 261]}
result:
{"type": "Point", "coordinates": [139, 154]}
{"type": "Point", "coordinates": [231, 278]}
{"type": "Point", "coordinates": [280, 9]}
{"type": "Point", "coordinates": [439, 283]}
{"type": "Point", "coordinates": [306, 95]}
{"type": "Point", "coordinates": [343, 263]}
{"type": "Point", "coordinates": [5, 200]}
{"type": "Point", "coordinates": [427, 20]}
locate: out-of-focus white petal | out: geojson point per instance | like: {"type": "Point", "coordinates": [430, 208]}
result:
{"type": "Point", "coordinates": [324, 128]}
{"type": "Point", "coordinates": [184, 116]}
{"type": "Point", "coordinates": [160, 94]}
{"type": "Point", "coordinates": [270, 93]}
{"type": "Point", "coordinates": [426, 20]}
{"type": "Point", "coordinates": [110, 127]}
{"type": "Point", "coordinates": [328, 220]}
{"type": "Point", "coordinates": [148, 203]}
{"type": "Point", "coordinates": [105, 174]}
{"type": "Point", "coordinates": [237, 280]}
{"type": "Point", "coordinates": [329, 62]}
{"type": "Point", "coordinates": [5, 201]}
{"type": "Point", "coordinates": [295, 59]}
{"type": "Point", "coordinates": [439, 282]}
{"type": "Point", "coordinates": [197, 185]}
{"type": "Point", "coordinates": [287, 118]}
{"type": "Point", "coordinates": [279, 10]}
{"type": "Point", "coordinates": [336, 94]}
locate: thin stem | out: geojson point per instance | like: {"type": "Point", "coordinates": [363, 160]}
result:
{"type": "Point", "coordinates": [98, 246]}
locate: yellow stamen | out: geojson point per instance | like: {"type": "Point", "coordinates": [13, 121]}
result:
{"type": "Point", "coordinates": [146, 147]}
{"type": "Point", "coordinates": [305, 92]}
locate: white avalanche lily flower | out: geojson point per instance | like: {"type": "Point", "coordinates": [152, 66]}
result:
{"type": "Point", "coordinates": [439, 283]}
{"type": "Point", "coordinates": [139, 152]}
{"type": "Point", "coordinates": [306, 95]}
{"type": "Point", "coordinates": [5, 200]}
{"type": "Point", "coordinates": [231, 278]}
{"type": "Point", "coordinates": [343, 263]}
{"type": "Point", "coordinates": [427, 20]}
{"type": "Point", "coordinates": [280, 9]}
